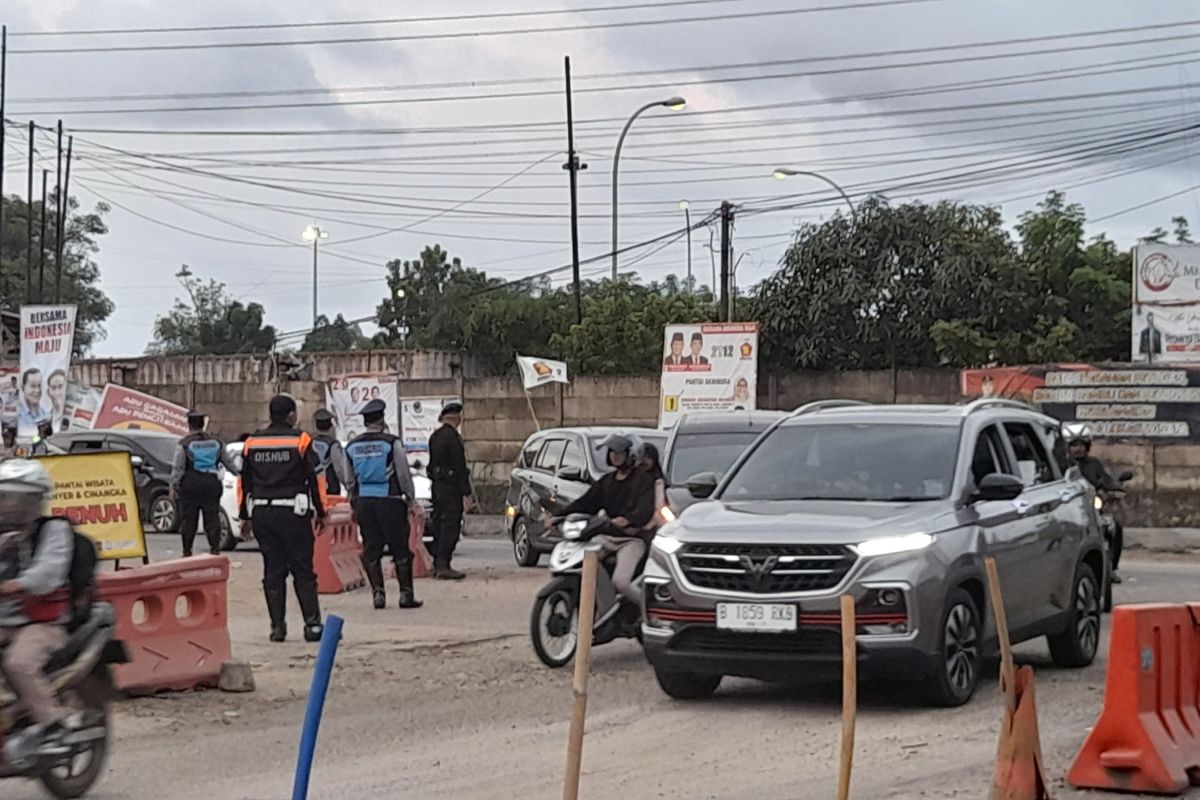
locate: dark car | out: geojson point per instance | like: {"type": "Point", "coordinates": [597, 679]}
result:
{"type": "Point", "coordinates": [155, 451]}
{"type": "Point", "coordinates": [708, 442]}
{"type": "Point", "coordinates": [554, 468]}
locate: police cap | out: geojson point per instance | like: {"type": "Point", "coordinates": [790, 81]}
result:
{"type": "Point", "coordinates": [196, 418]}
{"type": "Point", "coordinates": [323, 415]}
{"type": "Point", "coordinates": [374, 408]}
{"type": "Point", "coordinates": [451, 408]}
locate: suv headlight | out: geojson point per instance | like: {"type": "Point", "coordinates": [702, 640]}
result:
{"type": "Point", "coordinates": [666, 544]}
{"type": "Point", "coordinates": [888, 545]}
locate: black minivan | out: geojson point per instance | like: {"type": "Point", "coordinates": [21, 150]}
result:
{"type": "Point", "coordinates": [555, 467]}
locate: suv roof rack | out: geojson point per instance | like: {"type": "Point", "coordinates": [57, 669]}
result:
{"type": "Point", "coordinates": [821, 405]}
{"type": "Point", "coordinates": [994, 402]}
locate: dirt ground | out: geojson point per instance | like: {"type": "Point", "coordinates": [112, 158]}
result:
{"type": "Point", "coordinates": [450, 702]}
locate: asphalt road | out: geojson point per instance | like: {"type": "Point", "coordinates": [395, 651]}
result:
{"type": "Point", "coordinates": [449, 702]}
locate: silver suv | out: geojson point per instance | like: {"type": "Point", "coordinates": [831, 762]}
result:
{"type": "Point", "coordinates": [897, 506]}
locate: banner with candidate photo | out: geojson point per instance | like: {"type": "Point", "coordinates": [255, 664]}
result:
{"type": "Point", "coordinates": [345, 396]}
{"type": "Point", "coordinates": [1166, 303]}
{"type": "Point", "coordinates": [710, 366]}
{"type": "Point", "coordinates": [47, 336]}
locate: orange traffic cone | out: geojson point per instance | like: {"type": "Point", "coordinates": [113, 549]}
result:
{"type": "Point", "coordinates": [1019, 774]}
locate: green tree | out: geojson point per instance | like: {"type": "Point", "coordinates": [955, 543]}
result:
{"type": "Point", "coordinates": [210, 322]}
{"type": "Point", "coordinates": [427, 299]}
{"type": "Point", "coordinates": [80, 275]}
{"type": "Point", "coordinates": [335, 336]}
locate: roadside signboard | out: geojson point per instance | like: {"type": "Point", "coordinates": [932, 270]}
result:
{"type": "Point", "coordinates": [97, 492]}
{"type": "Point", "coordinates": [345, 396]}
{"type": "Point", "coordinates": [710, 366]}
{"type": "Point", "coordinates": [1166, 303]}
{"type": "Point", "coordinates": [122, 407]}
{"type": "Point", "coordinates": [419, 419]}
{"type": "Point", "coordinates": [47, 336]}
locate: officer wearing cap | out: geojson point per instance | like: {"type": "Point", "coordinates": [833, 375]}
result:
{"type": "Point", "coordinates": [196, 483]}
{"type": "Point", "coordinates": [328, 451]}
{"type": "Point", "coordinates": [381, 492]}
{"type": "Point", "coordinates": [452, 492]}
{"type": "Point", "coordinates": [280, 496]}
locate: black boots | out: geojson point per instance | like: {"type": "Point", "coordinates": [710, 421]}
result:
{"type": "Point", "coordinates": [277, 611]}
{"type": "Point", "coordinates": [310, 607]}
{"type": "Point", "coordinates": [404, 577]}
{"type": "Point", "coordinates": [375, 578]}
{"type": "Point", "coordinates": [444, 572]}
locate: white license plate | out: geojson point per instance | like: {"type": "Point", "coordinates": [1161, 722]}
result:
{"type": "Point", "coordinates": [756, 617]}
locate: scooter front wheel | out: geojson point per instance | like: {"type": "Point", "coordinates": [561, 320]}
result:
{"type": "Point", "coordinates": [554, 626]}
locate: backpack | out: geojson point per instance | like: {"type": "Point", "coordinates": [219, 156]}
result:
{"type": "Point", "coordinates": [81, 574]}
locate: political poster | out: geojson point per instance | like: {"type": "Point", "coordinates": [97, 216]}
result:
{"type": "Point", "coordinates": [710, 366]}
{"type": "Point", "coordinates": [98, 494]}
{"type": "Point", "coordinates": [1166, 304]}
{"type": "Point", "coordinates": [122, 407]}
{"type": "Point", "coordinates": [419, 419]}
{"type": "Point", "coordinates": [345, 396]}
{"type": "Point", "coordinates": [83, 402]}
{"type": "Point", "coordinates": [540, 371]}
{"type": "Point", "coordinates": [47, 336]}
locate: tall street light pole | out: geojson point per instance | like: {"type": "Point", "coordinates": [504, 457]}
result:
{"type": "Point", "coordinates": [687, 221]}
{"type": "Point", "coordinates": [673, 103]}
{"type": "Point", "coordinates": [573, 167]}
{"type": "Point", "coordinates": [783, 173]}
{"type": "Point", "coordinates": [314, 234]}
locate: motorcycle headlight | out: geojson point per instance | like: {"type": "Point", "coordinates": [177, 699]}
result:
{"type": "Point", "coordinates": [889, 545]}
{"type": "Point", "coordinates": [573, 530]}
{"type": "Point", "coordinates": [1097, 503]}
{"type": "Point", "coordinates": [667, 514]}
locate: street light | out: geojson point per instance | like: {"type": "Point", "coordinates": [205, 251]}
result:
{"type": "Point", "coordinates": [673, 103]}
{"type": "Point", "coordinates": [314, 234]}
{"type": "Point", "coordinates": [783, 173]}
{"type": "Point", "coordinates": [687, 221]}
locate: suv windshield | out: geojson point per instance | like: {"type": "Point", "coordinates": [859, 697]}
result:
{"type": "Point", "coordinates": [693, 453]}
{"type": "Point", "coordinates": [880, 462]}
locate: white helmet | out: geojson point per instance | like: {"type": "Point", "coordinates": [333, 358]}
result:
{"type": "Point", "coordinates": [1077, 432]}
{"type": "Point", "coordinates": [25, 476]}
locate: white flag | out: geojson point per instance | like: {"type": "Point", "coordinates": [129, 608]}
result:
{"type": "Point", "coordinates": [539, 371]}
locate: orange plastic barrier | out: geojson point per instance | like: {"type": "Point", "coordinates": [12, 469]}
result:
{"type": "Point", "coordinates": [1019, 771]}
{"type": "Point", "coordinates": [337, 553]}
{"type": "Point", "coordinates": [1148, 736]}
{"type": "Point", "coordinates": [174, 619]}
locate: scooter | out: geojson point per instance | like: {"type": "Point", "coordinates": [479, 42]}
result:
{"type": "Point", "coordinates": [554, 622]}
{"type": "Point", "coordinates": [1110, 526]}
{"type": "Point", "coordinates": [79, 674]}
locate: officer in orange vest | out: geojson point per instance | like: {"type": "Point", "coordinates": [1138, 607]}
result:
{"type": "Point", "coordinates": [280, 496]}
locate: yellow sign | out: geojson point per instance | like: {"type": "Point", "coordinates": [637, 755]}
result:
{"type": "Point", "coordinates": [671, 403]}
{"type": "Point", "coordinates": [98, 494]}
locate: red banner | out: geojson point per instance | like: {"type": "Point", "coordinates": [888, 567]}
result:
{"type": "Point", "coordinates": [121, 407]}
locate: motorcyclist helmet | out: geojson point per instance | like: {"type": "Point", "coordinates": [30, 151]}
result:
{"type": "Point", "coordinates": [630, 445]}
{"type": "Point", "coordinates": [1080, 432]}
{"type": "Point", "coordinates": [25, 487]}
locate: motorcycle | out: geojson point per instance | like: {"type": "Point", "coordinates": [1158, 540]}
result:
{"type": "Point", "coordinates": [1110, 526]}
{"type": "Point", "coordinates": [79, 674]}
{"type": "Point", "coordinates": [554, 622]}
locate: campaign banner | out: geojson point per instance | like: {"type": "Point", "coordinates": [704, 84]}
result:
{"type": "Point", "coordinates": [1116, 402]}
{"type": "Point", "coordinates": [1166, 274]}
{"type": "Point", "coordinates": [710, 366]}
{"type": "Point", "coordinates": [82, 404]}
{"type": "Point", "coordinates": [540, 371]}
{"type": "Point", "coordinates": [419, 419]}
{"type": "Point", "coordinates": [98, 494]}
{"type": "Point", "coordinates": [47, 336]}
{"type": "Point", "coordinates": [122, 407]}
{"type": "Point", "coordinates": [345, 396]}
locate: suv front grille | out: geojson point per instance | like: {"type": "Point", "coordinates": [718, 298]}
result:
{"type": "Point", "coordinates": [765, 569]}
{"type": "Point", "coordinates": [711, 640]}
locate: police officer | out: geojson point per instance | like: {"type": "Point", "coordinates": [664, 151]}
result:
{"type": "Point", "coordinates": [452, 492]}
{"type": "Point", "coordinates": [196, 483]}
{"type": "Point", "coordinates": [280, 496]}
{"type": "Point", "coordinates": [381, 491]}
{"type": "Point", "coordinates": [328, 451]}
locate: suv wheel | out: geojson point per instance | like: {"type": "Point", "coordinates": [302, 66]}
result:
{"type": "Point", "coordinates": [686, 685]}
{"type": "Point", "coordinates": [957, 671]}
{"type": "Point", "coordinates": [229, 540]}
{"type": "Point", "coordinates": [162, 513]}
{"type": "Point", "coordinates": [523, 550]}
{"type": "Point", "coordinates": [1077, 643]}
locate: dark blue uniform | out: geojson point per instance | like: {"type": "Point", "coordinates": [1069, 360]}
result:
{"type": "Point", "coordinates": [195, 478]}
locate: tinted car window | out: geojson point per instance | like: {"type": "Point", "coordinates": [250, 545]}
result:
{"type": "Point", "coordinates": [82, 445]}
{"type": "Point", "coordinates": [1032, 462]}
{"type": "Point", "coordinates": [989, 456]}
{"type": "Point", "coordinates": [529, 454]}
{"type": "Point", "coordinates": [694, 453]}
{"type": "Point", "coordinates": [551, 453]}
{"type": "Point", "coordinates": [573, 457]}
{"type": "Point", "coordinates": [159, 447]}
{"type": "Point", "coordinates": [883, 462]}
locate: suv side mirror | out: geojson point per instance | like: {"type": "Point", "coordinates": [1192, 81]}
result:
{"type": "Point", "coordinates": [573, 473]}
{"type": "Point", "coordinates": [999, 486]}
{"type": "Point", "coordinates": [702, 486]}
{"type": "Point", "coordinates": [1127, 475]}
{"type": "Point", "coordinates": [137, 461]}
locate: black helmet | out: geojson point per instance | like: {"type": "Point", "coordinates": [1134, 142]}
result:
{"type": "Point", "coordinates": [630, 445]}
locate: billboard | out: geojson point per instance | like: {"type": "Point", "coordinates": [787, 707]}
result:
{"type": "Point", "coordinates": [709, 366]}
{"type": "Point", "coordinates": [47, 336]}
{"type": "Point", "coordinates": [98, 494]}
{"type": "Point", "coordinates": [122, 407]}
{"type": "Point", "coordinates": [1166, 303]}
{"type": "Point", "coordinates": [345, 396]}
{"type": "Point", "coordinates": [419, 419]}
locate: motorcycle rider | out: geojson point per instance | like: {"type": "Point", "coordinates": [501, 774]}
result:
{"type": "Point", "coordinates": [626, 495]}
{"type": "Point", "coordinates": [35, 560]}
{"type": "Point", "coordinates": [1079, 448]}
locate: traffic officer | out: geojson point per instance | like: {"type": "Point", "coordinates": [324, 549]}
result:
{"type": "Point", "coordinates": [381, 492]}
{"type": "Point", "coordinates": [196, 483]}
{"type": "Point", "coordinates": [280, 496]}
{"type": "Point", "coordinates": [452, 492]}
{"type": "Point", "coordinates": [327, 447]}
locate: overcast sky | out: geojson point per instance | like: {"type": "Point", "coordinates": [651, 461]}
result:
{"type": "Point", "coordinates": [847, 92]}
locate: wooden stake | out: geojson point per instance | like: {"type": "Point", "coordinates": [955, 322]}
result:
{"type": "Point", "coordinates": [849, 693]}
{"type": "Point", "coordinates": [529, 400]}
{"type": "Point", "coordinates": [1007, 675]}
{"type": "Point", "coordinates": [583, 658]}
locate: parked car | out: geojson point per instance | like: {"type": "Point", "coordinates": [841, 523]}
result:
{"type": "Point", "coordinates": [156, 451]}
{"type": "Point", "coordinates": [897, 506]}
{"type": "Point", "coordinates": [554, 468]}
{"type": "Point", "coordinates": [708, 441]}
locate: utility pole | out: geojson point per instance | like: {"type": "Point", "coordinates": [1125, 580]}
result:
{"type": "Point", "coordinates": [62, 223]}
{"type": "Point", "coordinates": [573, 167]}
{"type": "Point", "coordinates": [726, 310]}
{"type": "Point", "coordinates": [4, 295]}
{"type": "Point", "coordinates": [29, 225]}
{"type": "Point", "coordinates": [42, 242]}
{"type": "Point", "coordinates": [58, 201]}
